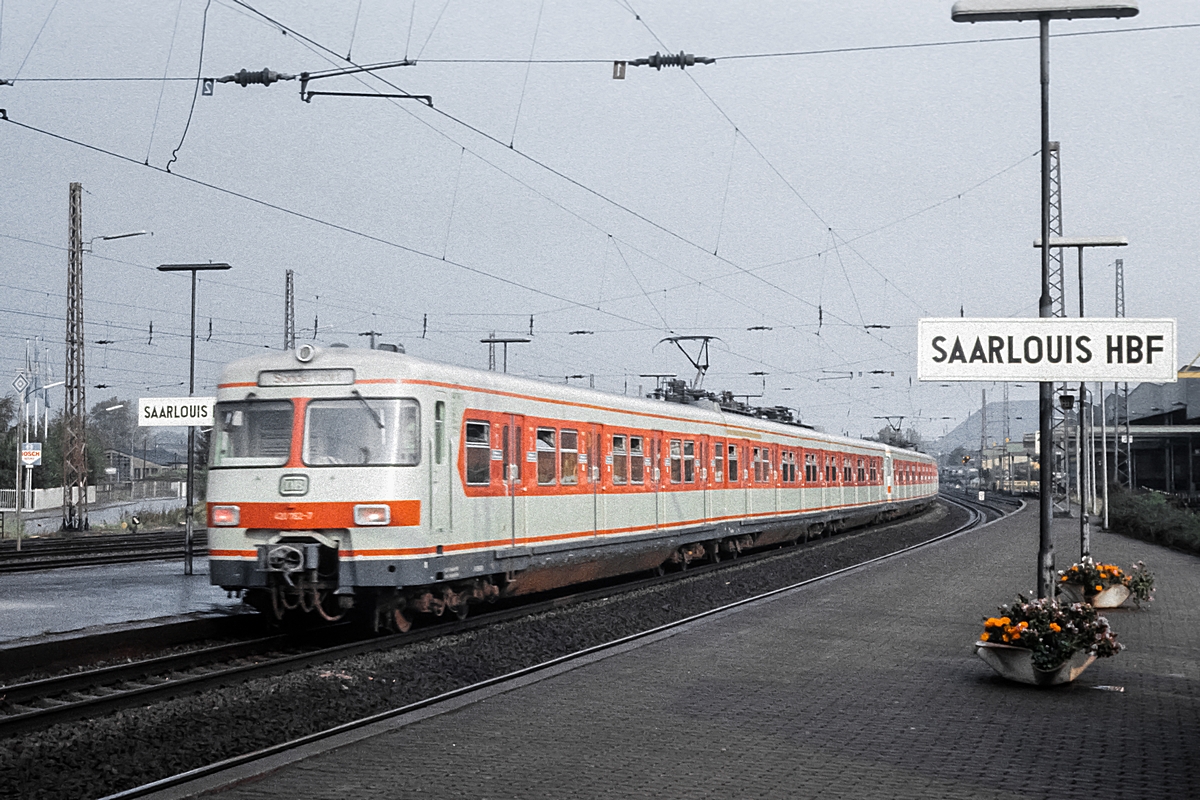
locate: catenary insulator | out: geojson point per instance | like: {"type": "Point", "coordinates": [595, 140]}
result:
{"type": "Point", "coordinates": [266, 77]}
{"type": "Point", "coordinates": [681, 60]}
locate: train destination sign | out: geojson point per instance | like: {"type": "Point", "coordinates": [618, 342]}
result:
{"type": "Point", "coordinates": [176, 411]}
{"type": "Point", "coordinates": [1046, 349]}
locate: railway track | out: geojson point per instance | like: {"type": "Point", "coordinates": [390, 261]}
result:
{"type": "Point", "coordinates": [38, 704]}
{"type": "Point", "coordinates": [99, 549]}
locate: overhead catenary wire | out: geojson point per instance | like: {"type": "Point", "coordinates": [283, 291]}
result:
{"type": "Point", "coordinates": [195, 92]}
{"type": "Point", "coordinates": [697, 283]}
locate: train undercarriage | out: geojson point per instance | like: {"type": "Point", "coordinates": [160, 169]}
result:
{"type": "Point", "coordinates": [301, 580]}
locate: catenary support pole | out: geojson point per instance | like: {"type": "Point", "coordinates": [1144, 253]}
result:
{"type": "Point", "coordinates": [1045, 577]}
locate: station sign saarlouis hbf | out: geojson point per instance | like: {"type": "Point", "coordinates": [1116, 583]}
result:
{"type": "Point", "coordinates": [1046, 349]}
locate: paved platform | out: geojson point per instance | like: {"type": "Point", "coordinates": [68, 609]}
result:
{"type": "Point", "coordinates": [77, 599]}
{"type": "Point", "coordinates": [865, 686]}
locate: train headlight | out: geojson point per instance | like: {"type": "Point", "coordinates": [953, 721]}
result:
{"type": "Point", "coordinates": [225, 516]}
{"type": "Point", "coordinates": [372, 515]}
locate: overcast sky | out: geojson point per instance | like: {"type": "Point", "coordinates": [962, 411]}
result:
{"type": "Point", "coordinates": [806, 198]}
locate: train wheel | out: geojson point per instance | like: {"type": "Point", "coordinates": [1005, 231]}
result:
{"type": "Point", "coordinates": [714, 552]}
{"type": "Point", "coordinates": [400, 621]}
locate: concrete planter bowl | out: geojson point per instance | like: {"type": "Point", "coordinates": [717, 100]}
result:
{"type": "Point", "coordinates": [1016, 664]}
{"type": "Point", "coordinates": [1113, 596]}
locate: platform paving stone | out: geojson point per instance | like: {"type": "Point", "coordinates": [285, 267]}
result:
{"type": "Point", "coordinates": [865, 686]}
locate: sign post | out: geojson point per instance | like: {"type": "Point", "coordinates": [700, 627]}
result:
{"type": "Point", "coordinates": [1055, 349]}
{"type": "Point", "coordinates": [1047, 350]}
{"type": "Point", "coordinates": [173, 412]}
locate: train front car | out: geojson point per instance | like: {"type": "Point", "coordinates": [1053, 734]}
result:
{"type": "Point", "coordinates": [315, 458]}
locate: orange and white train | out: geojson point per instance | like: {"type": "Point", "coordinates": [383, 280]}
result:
{"type": "Point", "coordinates": [371, 480]}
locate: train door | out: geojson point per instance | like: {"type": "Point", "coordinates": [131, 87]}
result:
{"type": "Point", "coordinates": [441, 467]}
{"type": "Point", "coordinates": [657, 476]}
{"type": "Point", "coordinates": [776, 467]}
{"type": "Point", "coordinates": [702, 478]}
{"type": "Point", "coordinates": [595, 475]}
{"type": "Point", "coordinates": [513, 444]}
{"type": "Point", "coordinates": [887, 476]}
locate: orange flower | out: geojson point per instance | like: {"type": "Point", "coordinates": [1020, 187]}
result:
{"type": "Point", "coordinates": [983, 637]}
{"type": "Point", "coordinates": [1054, 626]}
{"type": "Point", "coordinates": [1099, 588]}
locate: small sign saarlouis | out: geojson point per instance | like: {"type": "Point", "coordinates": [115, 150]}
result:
{"type": "Point", "coordinates": [1046, 349]}
{"type": "Point", "coordinates": [175, 411]}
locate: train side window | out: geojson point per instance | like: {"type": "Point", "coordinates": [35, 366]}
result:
{"type": "Point", "coordinates": [479, 453]}
{"type": "Point", "coordinates": [810, 468]}
{"type": "Point", "coordinates": [733, 463]}
{"type": "Point", "coordinates": [862, 472]}
{"type": "Point", "coordinates": [847, 470]}
{"type": "Point", "coordinates": [547, 455]}
{"type": "Point", "coordinates": [620, 459]}
{"type": "Point", "coordinates": [676, 454]}
{"type": "Point", "coordinates": [689, 462]}
{"type": "Point", "coordinates": [718, 461]}
{"type": "Point", "coordinates": [637, 462]}
{"type": "Point", "coordinates": [568, 449]}
{"type": "Point", "coordinates": [873, 471]}
{"type": "Point", "coordinates": [439, 430]}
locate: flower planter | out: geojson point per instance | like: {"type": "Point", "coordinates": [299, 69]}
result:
{"type": "Point", "coordinates": [1016, 664]}
{"type": "Point", "coordinates": [1111, 597]}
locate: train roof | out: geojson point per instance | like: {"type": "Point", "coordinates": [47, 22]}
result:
{"type": "Point", "coordinates": [375, 368]}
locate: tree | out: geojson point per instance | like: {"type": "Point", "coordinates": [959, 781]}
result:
{"type": "Point", "coordinates": [8, 438]}
{"type": "Point", "coordinates": [113, 423]}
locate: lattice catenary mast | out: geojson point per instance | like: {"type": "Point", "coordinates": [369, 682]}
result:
{"type": "Point", "coordinates": [74, 478]}
{"type": "Point", "coordinates": [289, 313]}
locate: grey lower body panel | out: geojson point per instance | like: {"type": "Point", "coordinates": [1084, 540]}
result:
{"type": "Point", "coordinates": [529, 569]}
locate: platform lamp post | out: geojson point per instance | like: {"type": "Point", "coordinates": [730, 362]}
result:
{"type": "Point", "coordinates": [1079, 243]}
{"type": "Point", "coordinates": [191, 455]}
{"type": "Point", "coordinates": [1043, 11]}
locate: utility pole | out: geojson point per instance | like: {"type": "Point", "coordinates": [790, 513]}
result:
{"type": "Point", "coordinates": [494, 340]}
{"type": "Point", "coordinates": [289, 313]}
{"type": "Point", "coordinates": [982, 435]}
{"type": "Point", "coordinates": [74, 479]}
{"type": "Point", "coordinates": [1007, 436]}
{"type": "Point", "coordinates": [1124, 397]}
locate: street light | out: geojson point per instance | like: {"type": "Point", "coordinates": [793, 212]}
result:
{"type": "Point", "coordinates": [88, 247]}
{"type": "Point", "coordinates": [1043, 11]}
{"type": "Point", "coordinates": [192, 268]}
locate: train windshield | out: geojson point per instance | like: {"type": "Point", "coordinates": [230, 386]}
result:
{"type": "Point", "coordinates": [363, 430]}
{"type": "Point", "coordinates": [252, 434]}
